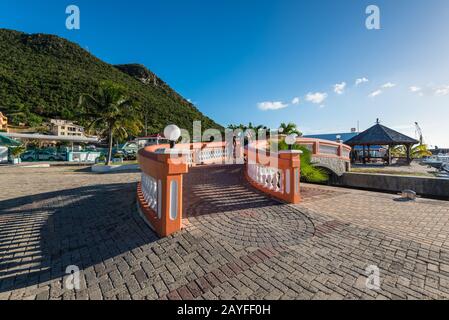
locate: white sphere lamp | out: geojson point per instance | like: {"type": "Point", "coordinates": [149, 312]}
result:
{"type": "Point", "coordinates": [290, 140]}
{"type": "Point", "coordinates": [172, 133]}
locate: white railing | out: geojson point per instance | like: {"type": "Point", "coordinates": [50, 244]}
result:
{"type": "Point", "coordinates": [190, 157]}
{"type": "Point", "coordinates": [324, 149]}
{"type": "Point", "coordinates": [212, 154]}
{"type": "Point", "coordinates": [308, 146]}
{"type": "Point", "coordinates": [345, 153]}
{"type": "Point", "coordinates": [267, 177]}
{"type": "Point", "coordinates": [151, 189]}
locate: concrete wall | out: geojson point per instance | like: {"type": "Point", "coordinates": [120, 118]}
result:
{"type": "Point", "coordinates": [337, 165]}
{"type": "Point", "coordinates": [424, 186]}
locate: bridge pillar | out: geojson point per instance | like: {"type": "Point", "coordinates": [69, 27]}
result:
{"type": "Point", "coordinates": [316, 147]}
{"type": "Point", "coordinates": [159, 194]}
{"type": "Point", "coordinates": [278, 177]}
{"type": "Point", "coordinates": [292, 172]}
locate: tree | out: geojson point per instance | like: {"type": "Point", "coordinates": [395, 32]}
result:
{"type": "Point", "coordinates": [290, 128]}
{"type": "Point", "coordinates": [250, 127]}
{"type": "Point", "coordinates": [111, 113]}
{"type": "Point", "coordinates": [19, 115]}
{"type": "Point", "coordinates": [417, 152]}
{"type": "Point", "coordinates": [17, 151]}
{"type": "Point", "coordinates": [420, 151]}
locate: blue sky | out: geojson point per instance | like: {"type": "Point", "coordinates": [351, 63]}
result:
{"type": "Point", "coordinates": [234, 57]}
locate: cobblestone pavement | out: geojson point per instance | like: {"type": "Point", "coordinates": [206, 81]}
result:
{"type": "Point", "coordinates": [237, 243]}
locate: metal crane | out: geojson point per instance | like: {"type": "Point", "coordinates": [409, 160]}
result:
{"type": "Point", "coordinates": [418, 133]}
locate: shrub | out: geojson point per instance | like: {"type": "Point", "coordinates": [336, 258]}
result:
{"type": "Point", "coordinates": [309, 173]}
{"type": "Point", "coordinates": [16, 152]}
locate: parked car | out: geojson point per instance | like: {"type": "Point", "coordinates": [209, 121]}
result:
{"type": "Point", "coordinates": [29, 155]}
{"type": "Point", "coordinates": [131, 156]}
{"type": "Point", "coordinates": [42, 155]}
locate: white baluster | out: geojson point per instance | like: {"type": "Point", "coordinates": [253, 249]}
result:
{"type": "Point", "coordinates": [281, 181]}
{"type": "Point", "coordinates": [274, 179]}
{"type": "Point", "coordinates": [150, 190]}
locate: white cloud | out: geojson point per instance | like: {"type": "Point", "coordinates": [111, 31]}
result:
{"type": "Point", "coordinates": [442, 91]}
{"type": "Point", "coordinates": [316, 97]}
{"type": "Point", "coordinates": [359, 81]}
{"type": "Point", "coordinates": [339, 88]}
{"type": "Point", "coordinates": [271, 105]}
{"type": "Point", "coordinates": [375, 93]}
{"type": "Point", "coordinates": [379, 91]}
{"type": "Point", "coordinates": [296, 100]}
{"type": "Point", "coordinates": [388, 85]}
{"type": "Point", "coordinates": [417, 90]}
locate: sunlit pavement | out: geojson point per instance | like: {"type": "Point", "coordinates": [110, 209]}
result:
{"type": "Point", "coordinates": [237, 244]}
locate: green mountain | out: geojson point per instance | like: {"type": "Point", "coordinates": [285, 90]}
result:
{"type": "Point", "coordinates": [42, 76]}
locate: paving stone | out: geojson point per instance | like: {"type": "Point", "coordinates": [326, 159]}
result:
{"type": "Point", "coordinates": [237, 243]}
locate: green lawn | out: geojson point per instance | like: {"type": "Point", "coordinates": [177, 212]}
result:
{"type": "Point", "coordinates": [392, 172]}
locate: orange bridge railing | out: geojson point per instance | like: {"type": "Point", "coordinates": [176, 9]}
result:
{"type": "Point", "coordinates": [160, 191]}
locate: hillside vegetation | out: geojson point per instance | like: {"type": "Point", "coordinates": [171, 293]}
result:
{"type": "Point", "coordinates": [42, 76]}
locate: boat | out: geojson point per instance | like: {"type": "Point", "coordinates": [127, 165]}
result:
{"type": "Point", "coordinates": [150, 140]}
{"type": "Point", "coordinates": [437, 161]}
{"type": "Point", "coordinates": [444, 171]}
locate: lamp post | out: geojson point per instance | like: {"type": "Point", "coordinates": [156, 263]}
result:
{"type": "Point", "coordinates": [172, 133]}
{"type": "Point", "coordinates": [291, 140]}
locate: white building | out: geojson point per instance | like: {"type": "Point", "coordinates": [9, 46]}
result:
{"type": "Point", "coordinates": [65, 128]}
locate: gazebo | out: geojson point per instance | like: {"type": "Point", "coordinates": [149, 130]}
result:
{"type": "Point", "coordinates": [379, 135]}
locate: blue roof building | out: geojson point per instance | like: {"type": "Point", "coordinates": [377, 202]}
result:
{"type": "Point", "coordinates": [345, 136]}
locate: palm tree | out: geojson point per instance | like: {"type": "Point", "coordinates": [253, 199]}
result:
{"type": "Point", "coordinates": [17, 151]}
{"type": "Point", "coordinates": [111, 113]}
{"type": "Point", "coordinates": [420, 151]}
{"type": "Point", "coordinates": [417, 152]}
{"type": "Point", "coordinates": [290, 128]}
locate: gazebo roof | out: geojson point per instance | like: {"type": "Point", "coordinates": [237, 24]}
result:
{"type": "Point", "coordinates": [380, 135]}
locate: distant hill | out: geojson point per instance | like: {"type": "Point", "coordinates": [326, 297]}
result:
{"type": "Point", "coordinates": [42, 76]}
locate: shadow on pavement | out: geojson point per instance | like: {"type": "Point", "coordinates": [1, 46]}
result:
{"type": "Point", "coordinates": [40, 235]}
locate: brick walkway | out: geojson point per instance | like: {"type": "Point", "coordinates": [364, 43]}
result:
{"type": "Point", "coordinates": [237, 243]}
